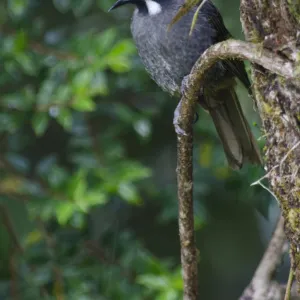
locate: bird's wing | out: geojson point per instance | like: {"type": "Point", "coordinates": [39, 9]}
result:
{"type": "Point", "coordinates": [236, 67]}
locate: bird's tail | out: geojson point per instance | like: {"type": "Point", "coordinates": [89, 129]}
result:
{"type": "Point", "coordinates": [234, 131]}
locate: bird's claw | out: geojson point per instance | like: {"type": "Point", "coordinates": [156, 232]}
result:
{"type": "Point", "coordinates": [196, 118]}
{"type": "Point", "coordinates": [184, 84]}
{"type": "Point", "coordinates": [178, 129]}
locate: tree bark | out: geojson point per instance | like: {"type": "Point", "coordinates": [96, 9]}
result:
{"type": "Point", "coordinates": [275, 25]}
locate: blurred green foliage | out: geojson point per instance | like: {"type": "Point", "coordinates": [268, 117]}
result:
{"type": "Point", "coordinates": [87, 166]}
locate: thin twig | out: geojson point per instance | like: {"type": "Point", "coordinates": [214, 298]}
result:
{"type": "Point", "coordinates": [13, 276]}
{"type": "Point", "coordinates": [289, 284]}
{"type": "Point", "coordinates": [16, 248]}
{"type": "Point", "coordinates": [259, 181]}
{"type": "Point", "coordinates": [262, 285]}
{"type": "Point", "coordinates": [10, 228]}
{"type": "Point", "coordinates": [45, 50]}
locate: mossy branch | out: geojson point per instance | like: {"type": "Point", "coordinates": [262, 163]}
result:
{"type": "Point", "coordinates": [234, 49]}
{"type": "Point", "coordinates": [185, 110]}
{"type": "Point", "coordinates": [183, 121]}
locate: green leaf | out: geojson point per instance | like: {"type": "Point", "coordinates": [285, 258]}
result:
{"type": "Point", "coordinates": [118, 58]}
{"type": "Point", "coordinates": [95, 197]}
{"type": "Point", "coordinates": [8, 46]}
{"type": "Point", "coordinates": [104, 5]}
{"type": "Point", "coordinates": [57, 176]}
{"type": "Point", "coordinates": [46, 93]}
{"type": "Point", "coordinates": [41, 207]}
{"type": "Point", "coordinates": [105, 40]}
{"type": "Point", "coordinates": [62, 5]}
{"type": "Point", "coordinates": [27, 63]}
{"type": "Point", "coordinates": [10, 122]}
{"type": "Point", "coordinates": [63, 94]}
{"type": "Point", "coordinates": [33, 237]}
{"type": "Point", "coordinates": [98, 85]}
{"type": "Point", "coordinates": [20, 41]}
{"type": "Point", "coordinates": [77, 185]}
{"type": "Point", "coordinates": [122, 48]}
{"type": "Point", "coordinates": [65, 118]}
{"type": "Point", "coordinates": [79, 191]}
{"type": "Point", "coordinates": [153, 281]}
{"type": "Point", "coordinates": [17, 7]}
{"type": "Point", "coordinates": [90, 199]}
{"type": "Point", "coordinates": [64, 211]}
{"type": "Point", "coordinates": [132, 171]}
{"type": "Point", "coordinates": [83, 103]}
{"type": "Point", "coordinates": [176, 279]}
{"type": "Point", "coordinates": [126, 171]}
{"type": "Point", "coordinates": [119, 64]}
{"type": "Point", "coordinates": [82, 80]}
{"type": "Point", "coordinates": [168, 295]}
{"type": "Point", "coordinates": [124, 112]}
{"type": "Point", "coordinates": [206, 154]}
{"type": "Point", "coordinates": [84, 197]}
{"type": "Point", "coordinates": [129, 193]}
{"type": "Point", "coordinates": [40, 123]}
{"type": "Point", "coordinates": [81, 7]}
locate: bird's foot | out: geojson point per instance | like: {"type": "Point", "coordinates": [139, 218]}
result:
{"type": "Point", "coordinates": [178, 129]}
{"type": "Point", "coordinates": [184, 84]}
{"type": "Point", "coordinates": [196, 118]}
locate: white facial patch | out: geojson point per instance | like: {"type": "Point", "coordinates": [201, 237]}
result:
{"type": "Point", "coordinates": [153, 7]}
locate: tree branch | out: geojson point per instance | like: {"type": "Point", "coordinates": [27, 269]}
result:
{"type": "Point", "coordinates": [262, 285]}
{"type": "Point", "coordinates": [183, 120]}
{"type": "Point", "coordinates": [185, 197]}
{"type": "Point", "coordinates": [234, 49]}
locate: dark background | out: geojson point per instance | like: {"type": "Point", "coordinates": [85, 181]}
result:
{"type": "Point", "coordinates": [87, 166]}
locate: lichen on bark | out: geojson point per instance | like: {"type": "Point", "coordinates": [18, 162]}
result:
{"type": "Point", "coordinates": [276, 26]}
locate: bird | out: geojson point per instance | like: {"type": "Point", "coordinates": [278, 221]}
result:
{"type": "Point", "coordinates": [169, 53]}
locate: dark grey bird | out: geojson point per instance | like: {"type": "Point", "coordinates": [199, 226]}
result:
{"type": "Point", "coordinates": [169, 55]}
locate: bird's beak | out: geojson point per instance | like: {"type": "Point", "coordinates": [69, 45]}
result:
{"type": "Point", "coordinates": [119, 3]}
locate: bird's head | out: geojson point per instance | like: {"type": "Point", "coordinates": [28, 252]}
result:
{"type": "Point", "coordinates": [152, 7]}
